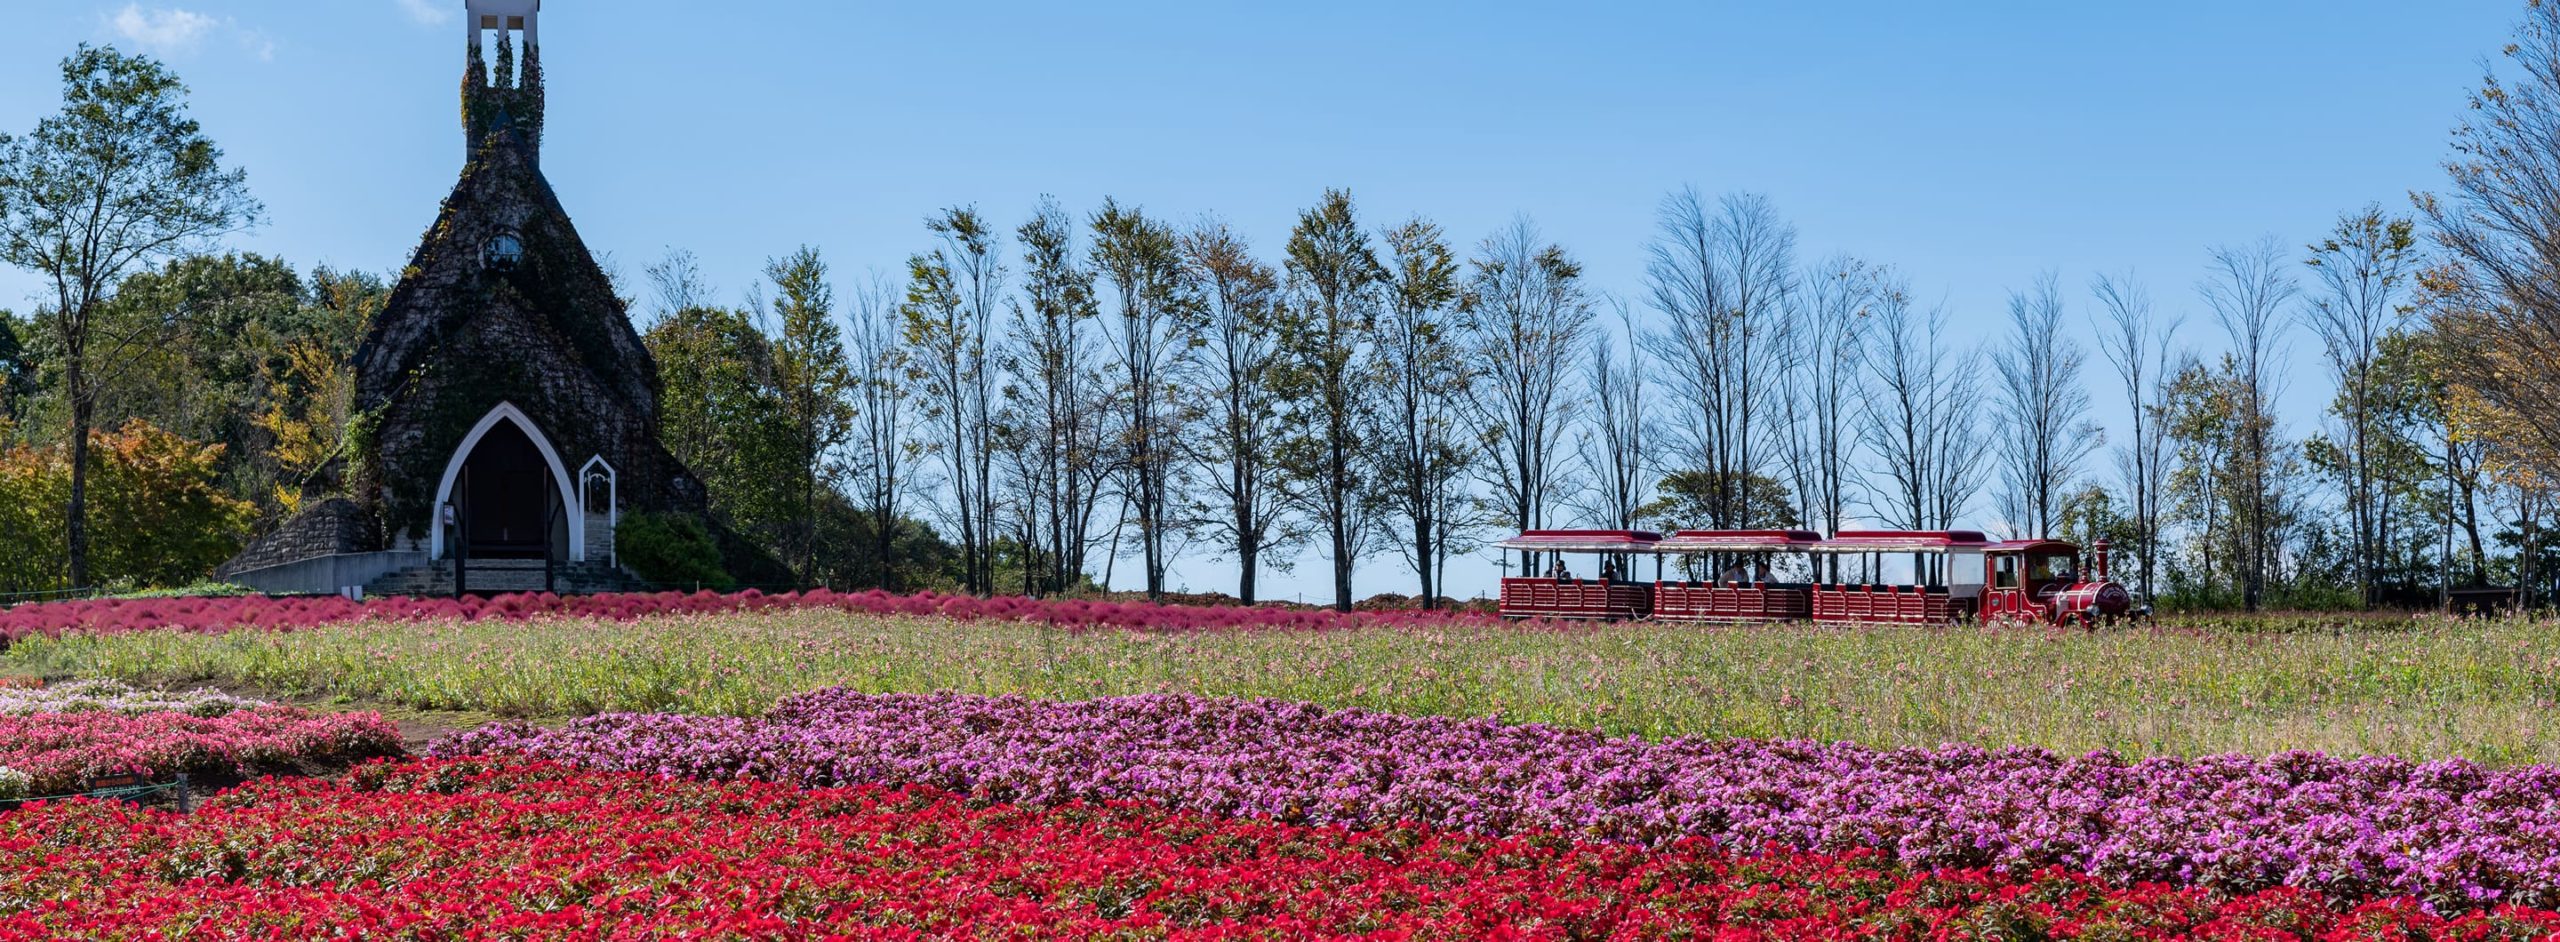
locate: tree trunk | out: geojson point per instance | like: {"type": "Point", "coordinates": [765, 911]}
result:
{"type": "Point", "coordinates": [75, 378]}
{"type": "Point", "coordinates": [2471, 529]}
{"type": "Point", "coordinates": [1422, 561]}
{"type": "Point", "coordinates": [885, 526]}
{"type": "Point", "coordinates": [1250, 555]}
{"type": "Point", "coordinates": [1340, 526]}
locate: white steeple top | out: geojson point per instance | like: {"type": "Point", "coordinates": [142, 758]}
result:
{"type": "Point", "coordinates": [508, 15]}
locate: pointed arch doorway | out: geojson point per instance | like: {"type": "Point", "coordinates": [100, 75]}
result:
{"type": "Point", "coordinates": [511, 495]}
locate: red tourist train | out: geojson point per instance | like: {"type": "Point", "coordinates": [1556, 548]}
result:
{"type": "Point", "coordinates": [1958, 576]}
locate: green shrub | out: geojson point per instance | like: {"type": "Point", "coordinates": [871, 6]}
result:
{"type": "Point", "coordinates": [672, 550]}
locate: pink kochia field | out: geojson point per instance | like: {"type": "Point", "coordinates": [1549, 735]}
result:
{"type": "Point", "coordinates": [226, 614]}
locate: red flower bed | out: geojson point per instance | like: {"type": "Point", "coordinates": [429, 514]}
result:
{"type": "Point", "coordinates": [284, 614]}
{"type": "Point", "coordinates": [475, 850]}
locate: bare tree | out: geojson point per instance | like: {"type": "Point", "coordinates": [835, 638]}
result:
{"type": "Point", "coordinates": [1613, 443]}
{"type": "Point", "coordinates": [1335, 274]}
{"type": "Point", "coordinates": [1141, 260]}
{"type": "Point", "coordinates": [1821, 349]}
{"type": "Point", "coordinates": [678, 282]}
{"type": "Point", "coordinates": [2045, 428]}
{"type": "Point", "coordinates": [2362, 267]}
{"type": "Point", "coordinates": [1238, 397]}
{"type": "Point", "coordinates": [949, 317]}
{"type": "Point", "coordinates": [1528, 319]}
{"type": "Point", "coordinates": [876, 469]}
{"type": "Point", "coordinates": [1054, 404]}
{"type": "Point", "coordinates": [2138, 346]}
{"type": "Point", "coordinates": [1721, 277]}
{"type": "Point", "coordinates": [1421, 372]}
{"type": "Point", "coordinates": [2249, 292]}
{"type": "Point", "coordinates": [1919, 418]}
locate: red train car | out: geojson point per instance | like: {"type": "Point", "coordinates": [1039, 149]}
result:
{"type": "Point", "coordinates": [1744, 566]}
{"type": "Point", "coordinates": [1957, 576]}
{"type": "Point", "coordinates": [1606, 589]}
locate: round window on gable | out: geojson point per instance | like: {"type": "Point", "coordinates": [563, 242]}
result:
{"type": "Point", "coordinates": [502, 253]}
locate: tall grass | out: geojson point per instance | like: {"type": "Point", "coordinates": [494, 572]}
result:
{"type": "Point", "coordinates": [2424, 689]}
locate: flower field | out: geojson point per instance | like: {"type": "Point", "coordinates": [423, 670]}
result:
{"type": "Point", "coordinates": [63, 752]}
{"type": "Point", "coordinates": [2449, 832]}
{"type": "Point", "coordinates": [453, 850]}
{"type": "Point", "coordinates": [1131, 771]}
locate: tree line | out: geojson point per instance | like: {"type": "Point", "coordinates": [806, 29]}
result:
{"type": "Point", "coordinates": [1081, 391]}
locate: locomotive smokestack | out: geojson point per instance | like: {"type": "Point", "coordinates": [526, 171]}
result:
{"type": "Point", "coordinates": [2098, 559]}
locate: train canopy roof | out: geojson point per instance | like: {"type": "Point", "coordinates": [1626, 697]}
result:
{"type": "Point", "coordinates": [1583, 541]}
{"type": "Point", "coordinates": [2023, 546]}
{"type": "Point", "coordinates": [1739, 541]}
{"type": "Point", "coordinates": [1902, 541]}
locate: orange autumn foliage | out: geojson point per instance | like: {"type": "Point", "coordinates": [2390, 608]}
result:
{"type": "Point", "coordinates": [157, 514]}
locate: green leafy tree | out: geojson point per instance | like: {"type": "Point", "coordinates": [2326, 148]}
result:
{"type": "Point", "coordinates": [1691, 499]}
{"type": "Point", "coordinates": [1335, 273]}
{"type": "Point", "coordinates": [119, 178]}
{"type": "Point", "coordinates": [2363, 267]}
{"type": "Point", "coordinates": [814, 381]}
{"type": "Point", "coordinates": [17, 373]}
{"type": "Point", "coordinates": [1420, 367]}
{"type": "Point", "coordinates": [1699, 499]}
{"type": "Point", "coordinates": [1242, 505]}
{"type": "Point", "coordinates": [2235, 486]}
{"type": "Point", "coordinates": [1140, 259]}
{"type": "Point", "coordinates": [721, 414]}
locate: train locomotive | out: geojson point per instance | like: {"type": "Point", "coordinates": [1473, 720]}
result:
{"type": "Point", "coordinates": [1959, 576]}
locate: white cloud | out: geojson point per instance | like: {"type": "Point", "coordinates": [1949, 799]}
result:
{"type": "Point", "coordinates": [258, 44]}
{"type": "Point", "coordinates": [170, 31]}
{"type": "Point", "coordinates": [164, 31]}
{"type": "Point", "coordinates": [428, 12]}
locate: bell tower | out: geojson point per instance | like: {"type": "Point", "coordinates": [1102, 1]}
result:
{"type": "Point", "coordinates": [502, 85]}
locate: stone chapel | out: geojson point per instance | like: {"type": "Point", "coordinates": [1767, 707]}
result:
{"type": "Point", "coordinates": [503, 381]}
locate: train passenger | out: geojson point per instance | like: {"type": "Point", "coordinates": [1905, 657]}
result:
{"type": "Point", "coordinates": [1609, 571]}
{"type": "Point", "coordinates": [1734, 575]}
{"type": "Point", "coordinates": [1760, 573]}
{"type": "Point", "coordinates": [1557, 572]}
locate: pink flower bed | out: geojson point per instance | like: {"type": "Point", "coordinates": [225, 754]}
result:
{"type": "Point", "coordinates": [65, 752]}
{"type": "Point", "coordinates": [216, 615]}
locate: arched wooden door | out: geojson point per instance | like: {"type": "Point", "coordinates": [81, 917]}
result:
{"type": "Point", "coordinates": [504, 497]}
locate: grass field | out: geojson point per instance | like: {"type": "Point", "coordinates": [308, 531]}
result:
{"type": "Point", "coordinates": [2421, 689]}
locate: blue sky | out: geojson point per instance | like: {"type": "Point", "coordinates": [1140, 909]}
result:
{"type": "Point", "coordinates": [1973, 145]}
